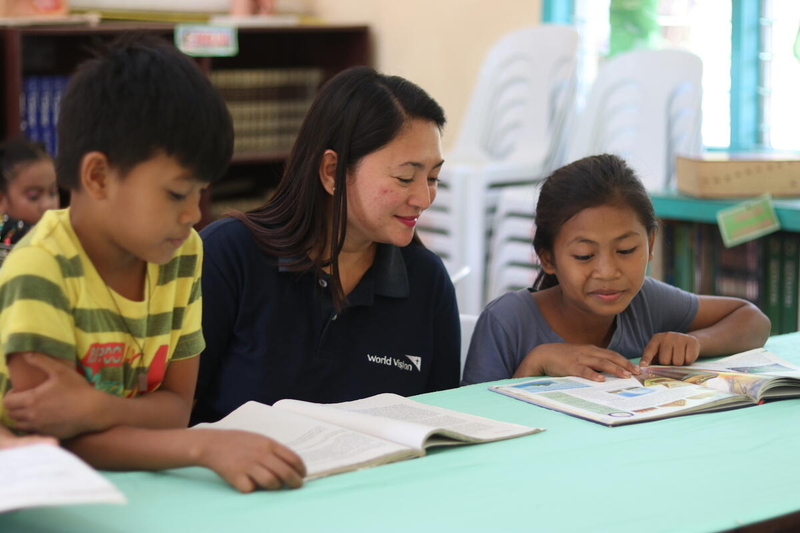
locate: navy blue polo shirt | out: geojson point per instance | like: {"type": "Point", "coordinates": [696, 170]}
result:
{"type": "Point", "coordinates": [272, 333]}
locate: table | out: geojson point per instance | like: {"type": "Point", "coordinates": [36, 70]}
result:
{"type": "Point", "coordinates": [708, 472]}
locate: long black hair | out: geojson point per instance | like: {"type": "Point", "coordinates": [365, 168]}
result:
{"type": "Point", "coordinates": [354, 114]}
{"type": "Point", "coordinates": [589, 182]}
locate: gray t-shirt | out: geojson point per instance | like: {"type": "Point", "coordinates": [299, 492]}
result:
{"type": "Point", "coordinates": [512, 325]}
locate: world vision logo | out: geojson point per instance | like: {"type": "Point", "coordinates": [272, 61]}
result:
{"type": "Point", "coordinates": [416, 362]}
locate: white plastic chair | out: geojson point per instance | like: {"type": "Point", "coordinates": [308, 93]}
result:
{"type": "Point", "coordinates": [644, 106]}
{"type": "Point", "coordinates": [511, 256]}
{"type": "Point", "coordinates": [467, 327]}
{"type": "Point", "coordinates": [510, 133]}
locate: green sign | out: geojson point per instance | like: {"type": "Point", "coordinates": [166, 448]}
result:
{"type": "Point", "coordinates": [207, 41]}
{"type": "Point", "coordinates": [747, 221]}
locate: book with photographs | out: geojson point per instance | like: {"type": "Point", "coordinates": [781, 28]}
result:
{"type": "Point", "coordinates": [741, 380]}
{"type": "Point", "coordinates": [336, 438]}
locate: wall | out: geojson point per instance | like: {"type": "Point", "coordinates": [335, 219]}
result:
{"type": "Point", "coordinates": [438, 44]}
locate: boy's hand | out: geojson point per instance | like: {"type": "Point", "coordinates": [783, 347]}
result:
{"type": "Point", "coordinates": [248, 461]}
{"type": "Point", "coordinates": [671, 348]}
{"type": "Point", "coordinates": [583, 360]}
{"type": "Point", "coordinates": [63, 405]}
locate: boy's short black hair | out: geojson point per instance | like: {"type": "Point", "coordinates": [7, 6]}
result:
{"type": "Point", "coordinates": [138, 97]}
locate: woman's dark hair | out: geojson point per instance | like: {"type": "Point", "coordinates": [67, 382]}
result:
{"type": "Point", "coordinates": [354, 114]}
{"type": "Point", "coordinates": [18, 152]}
{"type": "Point", "coordinates": [589, 182]}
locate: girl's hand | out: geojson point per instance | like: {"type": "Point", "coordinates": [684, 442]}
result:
{"type": "Point", "coordinates": [671, 348]}
{"type": "Point", "coordinates": [583, 360]}
{"type": "Point", "coordinates": [249, 461]}
{"type": "Point", "coordinates": [63, 405]}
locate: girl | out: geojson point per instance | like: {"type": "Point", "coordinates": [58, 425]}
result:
{"type": "Point", "coordinates": [325, 294]}
{"type": "Point", "coordinates": [27, 187]}
{"type": "Point", "coordinates": [592, 308]}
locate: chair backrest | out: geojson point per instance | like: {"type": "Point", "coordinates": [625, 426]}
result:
{"type": "Point", "coordinates": [520, 100]}
{"type": "Point", "coordinates": [643, 106]}
{"type": "Point", "coordinates": [467, 327]}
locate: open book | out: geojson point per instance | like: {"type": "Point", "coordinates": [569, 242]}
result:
{"type": "Point", "coordinates": [663, 391]}
{"type": "Point", "coordinates": [334, 438]}
{"type": "Point", "coordinates": [40, 475]}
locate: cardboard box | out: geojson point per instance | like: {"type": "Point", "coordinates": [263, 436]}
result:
{"type": "Point", "coordinates": [721, 175]}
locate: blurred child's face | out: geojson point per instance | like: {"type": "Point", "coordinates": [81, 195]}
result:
{"type": "Point", "coordinates": [151, 210]}
{"type": "Point", "coordinates": [31, 191]}
{"type": "Point", "coordinates": [390, 187]}
{"type": "Point", "coordinates": [600, 257]}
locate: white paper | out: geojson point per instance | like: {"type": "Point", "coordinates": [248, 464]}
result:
{"type": "Point", "coordinates": [41, 475]}
{"type": "Point", "coordinates": [758, 361]}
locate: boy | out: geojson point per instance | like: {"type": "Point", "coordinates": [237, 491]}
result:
{"type": "Point", "coordinates": [110, 286]}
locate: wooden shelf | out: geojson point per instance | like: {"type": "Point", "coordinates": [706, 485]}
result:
{"type": "Point", "coordinates": [675, 206]}
{"type": "Point", "coordinates": [47, 50]}
{"type": "Point", "coordinates": [255, 158]}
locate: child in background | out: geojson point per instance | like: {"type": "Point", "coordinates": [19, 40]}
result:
{"type": "Point", "coordinates": [592, 308]}
{"type": "Point", "coordinates": [110, 287]}
{"type": "Point", "coordinates": [27, 188]}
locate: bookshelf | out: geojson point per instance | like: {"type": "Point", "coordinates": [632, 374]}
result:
{"type": "Point", "coordinates": [764, 271]}
{"type": "Point", "coordinates": [674, 206]}
{"type": "Point", "coordinates": [49, 51]}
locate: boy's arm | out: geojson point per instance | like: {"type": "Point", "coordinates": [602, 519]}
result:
{"type": "Point", "coordinates": [9, 440]}
{"type": "Point", "coordinates": [49, 397]}
{"type": "Point", "coordinates": [245, 460]}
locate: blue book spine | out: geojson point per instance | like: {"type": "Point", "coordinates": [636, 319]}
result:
{"type": "Point", "coordinates": [23, 114]}
{"type": "Point", "coordinates": [59, 88]}
{"type": "Point", "coordinates": [46, 113]}
{"type": "Point", "coordinates": [31, 90]}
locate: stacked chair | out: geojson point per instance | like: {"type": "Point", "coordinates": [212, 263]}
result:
{"type": "Point", "coordinates": [643, 106]}
{"type": "Point", "coordinates": [511, 131]}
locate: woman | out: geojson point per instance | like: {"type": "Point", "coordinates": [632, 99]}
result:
{"type": "Point", "coordinates": [325, 294]}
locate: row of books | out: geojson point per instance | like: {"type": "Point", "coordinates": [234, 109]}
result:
{"type": "Point", "coordinates": [39, 105]}
{"type": "Point", "coordinates": [267, 105]}
{"type": "Point", "coordinates": [764, 271]}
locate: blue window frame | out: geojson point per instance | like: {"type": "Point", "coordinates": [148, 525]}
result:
{"type": "Point", "coordinates": [745, 69]}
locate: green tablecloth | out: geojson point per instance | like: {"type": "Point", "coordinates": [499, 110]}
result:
{"type": "Point", "coordinates": [705, 472]}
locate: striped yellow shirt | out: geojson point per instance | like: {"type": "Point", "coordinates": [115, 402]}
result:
{"type": "Point", "coordinates": [53, 301]}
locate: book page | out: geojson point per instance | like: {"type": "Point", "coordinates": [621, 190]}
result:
{"type": "Point", "coordinates": [414, 424]}
{"type": "Point", "coordinates": [41, 475]}
{"type": "Point", "coordinates": [754, 373]}
{"type": "Point", "coordinates": [751, 385]}
{"type": "Point", "coordinates": [324, 447]}
{"type": "Point", "coordinates": [619, 401]}
{"type": "Point", "coordinates": [758, 361]}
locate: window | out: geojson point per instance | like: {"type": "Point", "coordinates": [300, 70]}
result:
{"type": "Point", "coordinates": [780, 75]}
{"type": "Point", "coordinates": [751, 62]}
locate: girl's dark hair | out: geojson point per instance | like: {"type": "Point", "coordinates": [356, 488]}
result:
{"type": "Point", "coordinates": [589, 182]}
{"type": "Point", "coordinates": [16, 152]}
{"type": "Point", "coordinates": [354, 114]}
